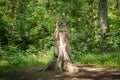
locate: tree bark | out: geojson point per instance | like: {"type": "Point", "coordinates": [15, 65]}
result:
{"type": "Point", "coordinates": [103, 17]}
{"type": "Point", "coordinates": [61, 61]}
{"type": "Point", "coordinates": [117, 8]}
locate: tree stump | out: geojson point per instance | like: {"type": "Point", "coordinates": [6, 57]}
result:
{"type": "Point", "coordinates": [61, 61]}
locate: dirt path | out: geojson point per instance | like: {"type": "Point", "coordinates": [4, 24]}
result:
{"type": "Point", "coordinates": [86, 73]}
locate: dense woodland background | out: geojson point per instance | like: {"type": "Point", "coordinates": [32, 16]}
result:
{"type": "Point", "coordinates": [27, 27]}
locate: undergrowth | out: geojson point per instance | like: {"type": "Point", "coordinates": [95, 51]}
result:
{"type": "Point", "coordinates": [21, 60]}
{"type": "Point", "coordinates": [111, 60]}
{"type": "Point", "coordinates": [16, 60]}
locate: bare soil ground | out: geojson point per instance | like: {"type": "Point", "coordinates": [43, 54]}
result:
{"type": "Point", "coordinates": [87, 72]}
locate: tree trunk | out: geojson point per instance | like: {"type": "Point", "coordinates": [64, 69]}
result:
{"type": "Point", "coordinates": [117, 8]}
{"type": "Point", "coordinates": [61, 61]}
{"type": "Point", "coordinates": [103, 17]}
{"type": "Point", "coordinates": [12, 8]}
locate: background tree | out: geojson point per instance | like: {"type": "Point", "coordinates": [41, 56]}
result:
{"type": "Point", "coordinates": [117, 8]}
{"type": "Point", "coordinates": [103, 17]}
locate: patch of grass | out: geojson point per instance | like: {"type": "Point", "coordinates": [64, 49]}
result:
{"type": "Point", "coordinates": [15, 59]}
{"type": "Point", "coordinates": [21, 61]}
{"type": "Point", "coordinates": [111, 60]}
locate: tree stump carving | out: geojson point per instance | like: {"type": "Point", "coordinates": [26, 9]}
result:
{"type": "Point", "coordinates": [61, 61]}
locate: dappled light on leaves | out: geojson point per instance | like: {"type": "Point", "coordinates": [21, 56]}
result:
{"type": "Point", "coordinates": [27, 34]}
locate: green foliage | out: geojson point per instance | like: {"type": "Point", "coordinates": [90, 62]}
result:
{"type": "Point", "coordinates": [33, 23]}
{"type": "Point", "coordinates": [102, 59]}
{"type": "Point", "coordinates": [14, 59]}
{"type": "Point", "coordinates": [27, 27]}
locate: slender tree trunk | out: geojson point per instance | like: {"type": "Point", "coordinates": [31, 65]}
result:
{"type": "Point", "coordinates": [103, 17]}
{"type": "Point", "coordinates": [90, 3]}
{"type": "Point", "coordinates": [12, 7]}
{"type": "Point", "coordinates": [61, 61]}
{"type": "Point", "coordinates": [117, 9]}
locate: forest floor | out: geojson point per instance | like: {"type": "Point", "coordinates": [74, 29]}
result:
{"type": "Point", "coordinates": [87, 72]}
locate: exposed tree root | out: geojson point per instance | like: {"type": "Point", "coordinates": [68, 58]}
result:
{"type": "Point", "coordinates": [50, 66]}
{"type": "Point", "coordinates": [67, 66]}
{"type": "Point", "coordinates": [70, 67]}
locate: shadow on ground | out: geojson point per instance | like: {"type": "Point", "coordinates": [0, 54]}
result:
{"type": "Point", "coordinates": [87, 72]}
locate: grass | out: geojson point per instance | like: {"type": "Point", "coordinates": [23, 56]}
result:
{"type": "Point", "coordinates": [22, 62]}
{"type": "Point", "coordinates": [111, 60]}
{"type": "Point", "coordinates": [19, 60]}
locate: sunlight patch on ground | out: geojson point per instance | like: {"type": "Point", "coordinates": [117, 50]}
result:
{"type": "Point", "coordinates": [93, 69]}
